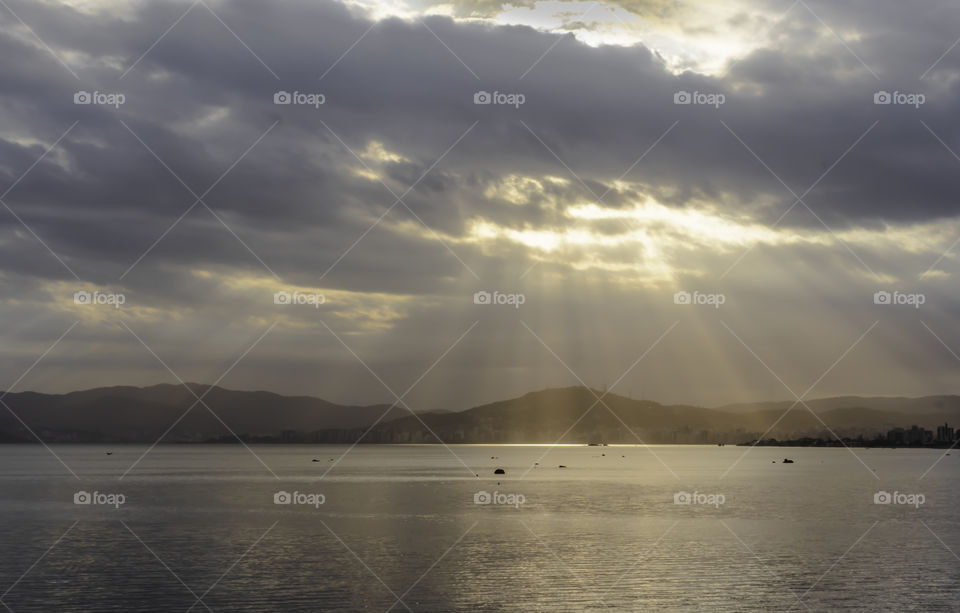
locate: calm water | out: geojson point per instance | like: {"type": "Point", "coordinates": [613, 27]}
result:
{"type": "Point", "coordinates": [399, 527]}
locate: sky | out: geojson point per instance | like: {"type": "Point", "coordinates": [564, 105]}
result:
{"type": "Point", "coordinates": [458, 202]}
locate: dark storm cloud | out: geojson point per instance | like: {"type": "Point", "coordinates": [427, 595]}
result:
{"type": "Point", "coordinates": [598, 109]}
{"type": "Point", "coordinates": [299, 199]}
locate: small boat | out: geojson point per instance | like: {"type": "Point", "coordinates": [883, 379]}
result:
{"type": "Point", "coordinates": [787, 461]}
{"type": "Point", "coordinates": [561, 466]}
{"type": "Point", "coordinates": [499, 471]}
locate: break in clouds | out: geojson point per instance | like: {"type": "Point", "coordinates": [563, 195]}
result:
{"type": "Point", "coordinates": [378, 169]}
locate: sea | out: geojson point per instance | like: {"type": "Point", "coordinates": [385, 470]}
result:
{"type": "Point", "coordinates": [187, 527]}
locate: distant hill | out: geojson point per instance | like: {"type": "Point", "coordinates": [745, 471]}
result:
{"type": "Point", "coordinates": [566, 415]}
{"type": "Point", "coordinates": [144, 414]}
{"type": "Point", "coordinates": [925, 405]}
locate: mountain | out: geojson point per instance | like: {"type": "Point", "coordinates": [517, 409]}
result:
{"type": "Point", "coordinates": [570, 415]}
{"type": "Point", "coordinates": [924, 405]}
{"type": "Point", "coordinates": [143, 414]}
{"type": "Point", "coordinates": [565, 415]}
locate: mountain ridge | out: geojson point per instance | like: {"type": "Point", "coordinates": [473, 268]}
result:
{"type": "Point", "coordinates": [172, 413]}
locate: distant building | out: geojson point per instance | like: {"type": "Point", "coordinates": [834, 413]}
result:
{"type": "Point", "coordinates": [897, 436]}
{"type": "Point", "coordinates": [945, 434]}
{"type": "Point", "coordinates": [914, 436]}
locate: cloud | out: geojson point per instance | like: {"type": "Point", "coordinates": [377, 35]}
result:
{"type": "Point", "coordinates": [400, 196]}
